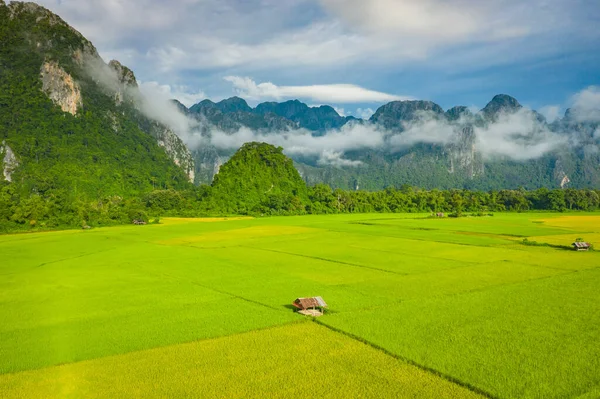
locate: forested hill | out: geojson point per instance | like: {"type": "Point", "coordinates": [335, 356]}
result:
{"type": "Point", "coordinates": [258, 177]}
{"type": "Point", "coordinates": [70, 124]}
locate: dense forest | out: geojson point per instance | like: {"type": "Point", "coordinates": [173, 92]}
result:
{"type": "Point", "coordinates": [260, 180]}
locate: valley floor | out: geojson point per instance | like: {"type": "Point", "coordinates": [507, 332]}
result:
{"type": "Point", "coordinates": [419, 308]}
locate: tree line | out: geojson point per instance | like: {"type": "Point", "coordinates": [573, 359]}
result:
{"type": "Point", "coordinates": [55, 210]}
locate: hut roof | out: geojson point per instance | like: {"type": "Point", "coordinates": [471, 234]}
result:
{"type": "Point", "coordinates": [307, 303]}
{"type": "Point", "coordinates": [581, 244]}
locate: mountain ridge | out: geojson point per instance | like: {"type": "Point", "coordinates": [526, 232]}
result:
{"type": "Point", "coordinates": [459, 163]}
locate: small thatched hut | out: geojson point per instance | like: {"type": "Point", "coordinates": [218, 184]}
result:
{"type": "Point", "coordinates": [581, 246]}
{"type": "Point", "coordinates": [313, 306]}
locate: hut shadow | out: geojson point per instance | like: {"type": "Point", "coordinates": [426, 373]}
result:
{"type": "Point", "coordinates": [290, 307]}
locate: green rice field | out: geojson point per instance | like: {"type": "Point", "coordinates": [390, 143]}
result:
{"type": "Point", "coordinates": [418, 308]}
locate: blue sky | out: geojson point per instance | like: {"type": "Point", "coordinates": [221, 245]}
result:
{"type": "Point", "coordinates": [353, 54]}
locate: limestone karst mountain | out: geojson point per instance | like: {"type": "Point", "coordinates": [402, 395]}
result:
{"type": "Point", "coordinates": [70, 121]}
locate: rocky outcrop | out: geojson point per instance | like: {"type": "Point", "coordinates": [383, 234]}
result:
{"type": "Point", "coordinates": [233, 113]}
{"type": "Point", "coordinates": [9, 161]}
{"type": "Point", "coordinates": [463, 155]}
{"type": "Point", "coordinates": [208, 163]}
{"type": "Point", "coordinates": [118, 80]}
{"type": "Point", "coordinates": [501, 103]}
{"type": "Point", "coordinates": [176, 149]}
{"type": "Point", "coordinates": [560, 175]}
{"type": "Point", "coordinates": [125, 75]}
{"type": "Point", "coordinates": [60, 87]}
{"type": "Point", "coordinates": [393, 116]}
{"type": "Point", "coordinates": [455, 113]}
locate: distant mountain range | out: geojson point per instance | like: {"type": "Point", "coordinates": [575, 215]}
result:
{"type": "Point", "coordinates": [235, 112]}
{"type": "Point", "coordinates": [504, 145]}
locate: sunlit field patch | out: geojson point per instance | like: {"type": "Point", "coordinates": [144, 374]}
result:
{"type": "Point", "coordinates": [582, 223]}
{"type": "Point", "coordinates": [463, 298]}
{"type": "Point", "coordinates": [173, 220]}
{"type": "Point", "coordinates": [297, 361]}
{"type": "Point", "coordinates": [236, 235]}
{"type": "Point", "coordinates": [567, 239]}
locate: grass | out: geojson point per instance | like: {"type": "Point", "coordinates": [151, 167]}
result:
{"type": "Point", "coordinates": [203, 299]}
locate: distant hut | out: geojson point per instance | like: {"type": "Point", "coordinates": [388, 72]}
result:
{"type": "Point", "coordinates": [440, 214]}
{"type": "Point", "coordinates": [138, 222]}
{"type": "Point", "coordinates": [313, 306]}
{"type": "Point", "coordinates": [581, 246]}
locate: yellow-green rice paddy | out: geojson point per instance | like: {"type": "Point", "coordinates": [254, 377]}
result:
{"type": "Point", "coordinates": [418, 308]}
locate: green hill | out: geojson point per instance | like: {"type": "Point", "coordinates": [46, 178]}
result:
{"type": "Point", "coordinates": [260, 178]}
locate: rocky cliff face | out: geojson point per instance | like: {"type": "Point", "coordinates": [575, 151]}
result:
{"type": "Point", "coordinates": [176, 149]}
{"type": "Point", "coordinates": [62, 89]}
{"type": "Point", "coordinates": [208, 163]}
{"type": "Point", "coordinates": [125, 84]}
{"type": "Point", "coordinates": [463, 155]}
{"type": "Point", "coordinates": [392, 116]}
{"type": "Point", "coordinates": [9, 161]}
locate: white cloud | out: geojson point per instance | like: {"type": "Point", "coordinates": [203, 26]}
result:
{"type": "Point", "coordinates": [340, 111]}
{"type": "Point", "coordinates": [444, 20]}
{"type": "Point", "coordinates": [336, 158]}
{"type": "Point", "coordinates": [518, 136]}
{"type": "Point", "coordinates": [296, 142]}
{"type": "Point", "coordinates": [333, 93]}
{"type": "Point", "coordinates": [364, 113]}
{"type": "Point", "coordinates": [316, 45]}
{"type": "Point", "coordinates": [586, 105]}
{"type": "Point", "coordinates": [155, 102]}
{"type": "Point", "coordinates": [181, 93]}
{"type": "Point", "coordinates": [169, 41]}
{"type": "Point", "coordinates": [424, 130]}
{"type": "Point", "coordinates": [433, 24]}
{"type": "Point", "coordinates": [151, 98]}
{"type": "Point", "coordinates": [551, 112]}
{"type": "Point", "coordinates": [329, 148]}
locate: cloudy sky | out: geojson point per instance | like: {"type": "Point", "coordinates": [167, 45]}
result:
{"type": "Point", "coordinates": [353, 54]}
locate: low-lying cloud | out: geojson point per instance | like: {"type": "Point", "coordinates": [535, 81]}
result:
{"type": "Point", "coordinates": [331, 93]}
{"type": "Point", "coordinates": [328, 148]}
{"type": "Point", "coordinates": [151, 99]}
{"type": "Point", "coordinates": [519, 137]}
{"type": "Point", "coordinates": [586, 105]}
{"type": "Point", "coordinates": [182, 93]}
